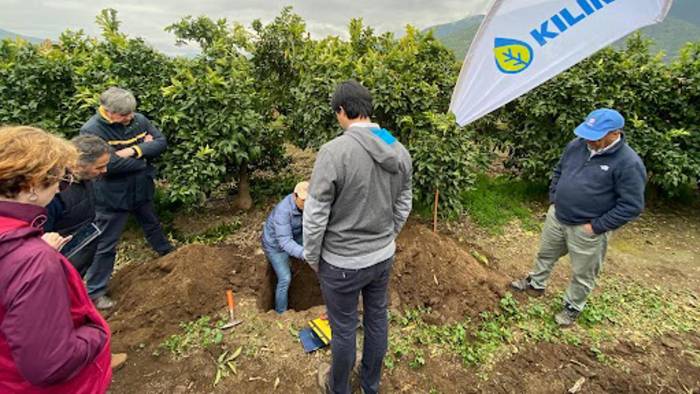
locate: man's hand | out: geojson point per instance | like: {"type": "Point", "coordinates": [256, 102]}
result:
{"type": "Point", "coordinates": [314, 267]}
{"type": "Point", "coordinates": [148, 138]}
{"type": "Point", "coordinates": [55, 240]}
{"type": "Point", "coordinates": [126, 153]}
{"type": "Point", "coordinates": [588, 229]}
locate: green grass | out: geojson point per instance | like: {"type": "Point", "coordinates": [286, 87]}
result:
{"type": "Point", "coordinates": [496, 201]}
{"type": "Point", "coordinates": [622, 311]}
{"type": "Point", "coordinates": [211, 236]}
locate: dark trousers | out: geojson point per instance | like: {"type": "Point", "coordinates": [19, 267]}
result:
{"type": "Point", "coordinates": [82, 260]}
{"type": "Point", "coordinates": [112, 225]}
{"type": "Point", "coordinates": [341, 289]}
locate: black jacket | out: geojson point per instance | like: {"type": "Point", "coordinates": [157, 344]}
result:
{"type": "Point", "coordinates": [71, 209]}
{"type": "Point", "coordinates": [128, 182]}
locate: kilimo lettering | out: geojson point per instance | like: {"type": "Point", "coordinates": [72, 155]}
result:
{"type": "Point", "coordinates": [566, 19]}
{"type": "Point", "coordinates": [515, 56]}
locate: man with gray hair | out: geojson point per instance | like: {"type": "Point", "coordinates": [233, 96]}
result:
{"type": "Point", "coordinates": [128, 185]}
{"type": "Point", "coordinates": [74, 206]}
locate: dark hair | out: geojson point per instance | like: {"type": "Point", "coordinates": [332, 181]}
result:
{"type": "Point", "coordinates": [90, 148]}
{"type": "Point", "coordinates": [354, 98]}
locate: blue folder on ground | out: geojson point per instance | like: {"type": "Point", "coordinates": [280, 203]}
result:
{"type": "Point", "coordinates": [310, 340]}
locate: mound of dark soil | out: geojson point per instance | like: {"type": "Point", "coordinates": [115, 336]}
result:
{"type": "Point", "coordinates": [432, 270]}
{"type": "Point", "coordinates": [154, 297]}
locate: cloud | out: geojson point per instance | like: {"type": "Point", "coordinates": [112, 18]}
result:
{"type": "Point", "coordinates": [47, 19]}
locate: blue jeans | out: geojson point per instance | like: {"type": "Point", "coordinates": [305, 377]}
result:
{"type": "Point", "coordinates": [280, 263]}
{"type": "Point", "coordinates": [341, 290]}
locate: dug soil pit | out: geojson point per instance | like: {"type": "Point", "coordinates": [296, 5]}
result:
{"type": "Point", "coordinates": [304, 289]}
{"type": "Point", "coordinates": [153, 298]}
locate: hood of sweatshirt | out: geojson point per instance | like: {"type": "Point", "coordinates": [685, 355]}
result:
{"type": "Point", "coordinates": [379, 143]}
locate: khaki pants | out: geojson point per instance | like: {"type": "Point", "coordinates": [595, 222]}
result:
{"type": "Point", "coordinates": [586, 252]}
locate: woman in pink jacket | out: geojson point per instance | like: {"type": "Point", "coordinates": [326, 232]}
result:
{"type": "Point", "coordinates": [52, 339]}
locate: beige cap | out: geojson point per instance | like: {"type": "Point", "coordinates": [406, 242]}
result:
{"type": "Point", "coordinates": [302, 190]}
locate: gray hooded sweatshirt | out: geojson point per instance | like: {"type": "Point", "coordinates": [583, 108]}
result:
{"type": "Point", "coordinates": [359, 198]}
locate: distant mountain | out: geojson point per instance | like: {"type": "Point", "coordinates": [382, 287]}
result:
{"type": "Point", "coordinates": [687, 10]}
{"type": "Point", "coordinates": [458, 35]}
{"type": "Point", "coordinates": [681, 25]}
{"type": "Point", "coordinates": [8, 34]}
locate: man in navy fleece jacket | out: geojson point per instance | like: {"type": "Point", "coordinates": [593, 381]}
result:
{"type": "Point", "coordinates": [597, 187]}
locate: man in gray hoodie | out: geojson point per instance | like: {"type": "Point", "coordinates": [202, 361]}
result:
{"type": "Point", "coordinates": [359, 199]}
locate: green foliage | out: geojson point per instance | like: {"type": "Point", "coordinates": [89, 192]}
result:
{"type": "Point", "coordinates": [659, 102]}
{"type": "Point", "coordinates": [216, 117]}
{"type": "Point", "coordinates": [227, 111]}
{"type": "Point", "coordinates": [212, 235]}
{"type": "Point", "coordinates": [198, 334]}
{"type": "Point", "coordinates": [642, 311]}
{"type": "Point", "coordinates": [34, 84]}
{"type": "Point", "coordinates": [411, 76]}
{"type": "Point", "coordinates": [445, 158]}
{"type": "Point", "coordinates": [275, 187]}
{"type": "Point", "coordinates": [495, 201]}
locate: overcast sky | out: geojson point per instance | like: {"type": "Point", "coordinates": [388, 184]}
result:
{"type": "Point", "coordinates": [147, 19]}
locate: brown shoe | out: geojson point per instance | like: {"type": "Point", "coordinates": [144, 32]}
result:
{"type": "Point", "coordinates": [118, 361]}
{"type": "Point", "coordinates": [524, 285]}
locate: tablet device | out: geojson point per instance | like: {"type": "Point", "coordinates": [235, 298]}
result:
{"type": "Point", "coordinates": [81, 239]}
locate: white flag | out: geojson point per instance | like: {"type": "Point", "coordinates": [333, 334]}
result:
{"type": "Point", "coordinates": [524, 43]}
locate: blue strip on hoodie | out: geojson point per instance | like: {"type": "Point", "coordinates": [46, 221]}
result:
{"type": "Point", "coordinates": [384, 135]}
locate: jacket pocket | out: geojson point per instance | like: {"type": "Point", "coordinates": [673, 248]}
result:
{"type": "Point", "coordinates": [332, 272]}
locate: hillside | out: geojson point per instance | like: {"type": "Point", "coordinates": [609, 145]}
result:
{"type": "Point", "coordinates": [8, 34]}
{"type": "Point", "coordinates": [681, 25]}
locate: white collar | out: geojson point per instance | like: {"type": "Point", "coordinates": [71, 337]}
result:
{"type": "Point", "coordinates": [367, 125]}
{"type": "Point", "coordinates": [607, 148]}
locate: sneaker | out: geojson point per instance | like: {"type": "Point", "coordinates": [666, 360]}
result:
{"type": "Point", "coordinates": [103, 302]}
{"type": "Point", "coordinates": [567, 316]}
{"type": "Point", "coordinates": [324, 378]}
{"type": "Point", "coordinates": [118, 361]}
{"type": "Point", "coordinates": [524, 285]}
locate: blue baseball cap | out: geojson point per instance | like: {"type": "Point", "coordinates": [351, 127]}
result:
{"type": "Point", "coordinates": [599, 123]}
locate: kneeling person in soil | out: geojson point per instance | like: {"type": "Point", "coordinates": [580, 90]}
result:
{"type": "Point", "coordinates": [598, 186]}
{"type": "Point", "coordinates": [127, 188]}
{"type": "Point", "coordinates": [360, 198]}
{"type": "Point", "coordinates": [282, 239]}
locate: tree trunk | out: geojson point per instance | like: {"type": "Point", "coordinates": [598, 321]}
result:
{"type": "Point", "coordinates": [243, 200]}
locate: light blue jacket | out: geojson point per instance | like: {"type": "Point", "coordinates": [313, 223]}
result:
{"type": "Point", "coordinates": [283, 228]}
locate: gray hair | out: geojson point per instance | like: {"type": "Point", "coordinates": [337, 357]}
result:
{"type": "Point", "coordinates": [90, 148]}
{"type": "Point", "coordinates": [118, 101]}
